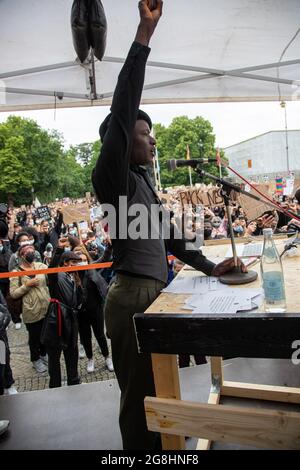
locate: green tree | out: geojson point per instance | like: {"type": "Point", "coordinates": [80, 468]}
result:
{"type": "Point", "coordinates": [83, 153]}
{"type": "Point", "coordinates": [39, 161]}
{"type": "Point", "coordinates": [40, 158]}
{"type": "Point", "coordinates": [172, 142]}
{"type": "Point", "coordinates": [14, 173]}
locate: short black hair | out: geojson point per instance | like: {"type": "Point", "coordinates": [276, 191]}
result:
{"type": "Point", "coordinates": [105, 124]}
{"type": "Point", "coordinates": [21, 234]}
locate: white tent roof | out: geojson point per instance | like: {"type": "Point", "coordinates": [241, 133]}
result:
{"type": "Point", "coordinates": [203, 50]}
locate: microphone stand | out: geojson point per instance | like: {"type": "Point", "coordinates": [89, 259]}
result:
{"type": "Point", "coordinates": [236, 276]}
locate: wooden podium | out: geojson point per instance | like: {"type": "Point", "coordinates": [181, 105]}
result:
{"type": "Point", "coordinates": [166, 330]}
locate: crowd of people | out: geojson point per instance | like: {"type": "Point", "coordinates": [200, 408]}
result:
{"type": "Point", "coordinates": [56, 307]}
{"type": "Point", "coordinates": [33, 244]}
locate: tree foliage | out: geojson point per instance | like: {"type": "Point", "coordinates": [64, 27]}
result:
{"type": "Point", "coordinates": [32, 158]}
{"type": "Point", "coordinates": [172, 143]}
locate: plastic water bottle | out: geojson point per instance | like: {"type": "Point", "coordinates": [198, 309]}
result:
{"type": "Point", "coordinates": [272, 275]}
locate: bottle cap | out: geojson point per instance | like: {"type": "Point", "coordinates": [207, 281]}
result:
{"type": "Point", "coordinates": [267, 231]}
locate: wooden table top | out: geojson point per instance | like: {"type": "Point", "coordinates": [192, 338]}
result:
{"type": "Point", "coordinates": [173, 303]}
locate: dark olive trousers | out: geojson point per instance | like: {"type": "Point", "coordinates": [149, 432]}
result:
{"type": "Point", "coordinates": [126, 297]}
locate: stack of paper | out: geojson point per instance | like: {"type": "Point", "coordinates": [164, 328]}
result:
{"type": "Point", "coordinates": [229, 300]}
{"type": "Point", "coordinates": [196, 284]}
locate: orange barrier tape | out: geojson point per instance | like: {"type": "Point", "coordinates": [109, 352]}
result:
{"type": "Point", "coordinates": [67, 269]}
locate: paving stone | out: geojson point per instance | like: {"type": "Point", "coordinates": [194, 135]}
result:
{"type": "Point", "coordinates": [27, 379]}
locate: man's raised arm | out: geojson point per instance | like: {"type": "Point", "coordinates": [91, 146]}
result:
{"type": "Point", "coordinates": [110, 177]}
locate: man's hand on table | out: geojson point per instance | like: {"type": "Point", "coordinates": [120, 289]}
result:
{"type": "Point", "coordinates": [226, 266]}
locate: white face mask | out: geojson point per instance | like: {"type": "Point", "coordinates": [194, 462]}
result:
{"type": "Point", "coordinates": [25, 243]}
{"type": "Point", "coordinates": [82, 263]}
{"type": "Point", "coordinates": [31, 242]}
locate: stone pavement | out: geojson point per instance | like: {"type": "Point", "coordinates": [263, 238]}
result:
{"type": "Point", "coordinates": [27, 379]}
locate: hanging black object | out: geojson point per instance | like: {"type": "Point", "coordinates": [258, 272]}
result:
{"type": "Point", "coordinates": [98, 28]}
{"type": "Point", "coordinates": [89, 28]}
{"type": "Point", "coordinates": [80, 28]}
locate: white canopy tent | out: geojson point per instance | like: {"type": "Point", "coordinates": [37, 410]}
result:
{"type": "Point", "coordinates": [202, 51]}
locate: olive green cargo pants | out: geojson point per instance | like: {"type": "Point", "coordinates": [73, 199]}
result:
{"type": "Point", "coordinates": [127, 296]}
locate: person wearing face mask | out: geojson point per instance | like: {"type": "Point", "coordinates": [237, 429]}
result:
{"type": "Point", "coordinates": [66, 290]}
{"type": "Point", "coordinates": [219, 228]}
{"type": "Point", "coordinates": [23, 238]}
{"type": "Point", "coordinates": [35, 300]}
{"type": "Point", "coordinates": [238, 227]}
{"type": "Point", "coordinates": [91, 316]}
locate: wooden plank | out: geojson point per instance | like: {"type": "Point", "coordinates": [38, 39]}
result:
{"type": "Point", "coordinates": [261, 392]}
{"type": "Point", "coordinates": [204, 444]}
{"type": "Point", "coordinates": [234, 335]}
{"type": "Point", "coordinates": [166, 378]}
{"type": "Point", "coordinates": [254, 427]}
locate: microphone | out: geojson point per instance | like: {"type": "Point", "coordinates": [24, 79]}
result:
{"type": "Point", "coordinates": [174, 163]}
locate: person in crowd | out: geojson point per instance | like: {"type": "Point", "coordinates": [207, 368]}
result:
{"type": "Point", "coordinates": [13, 244]}
{"type": "Point", "coordinates": [250, 229]}
{"type": "Point", "coordinates": [239, 226]}
{"type": "Point", "coordinates": [91, 313]}
{"type": "Point", "coordinates": [23, 238]}
{"type": "Point", "coordinates": [219, 228]}
{"type": "Point", "coordinates": [65, 288]}
{"type": "Point", "coordinates": [5, 254]}
{"type": "Point", "coordinates": [51, 235]}
{"type": "Point", "coordinates": [48, 253]}
{"type": "Point", "coordinates": [6, 376]}
{"type": "Point", "coordinates": [140, 265]}
{"type": "Point", "coordinates": [94, 246]}
{"type": "Point", "coordinates": [35, 300]}
{"type": "Point", "coordinates": [207, 230]}
{"type": "Point", "coordinates": [71, 242]}
{"type": "Point", "coordinates": [34, 239]}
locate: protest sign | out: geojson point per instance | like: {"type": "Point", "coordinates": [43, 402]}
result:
{"type": "Point", "coordinates": [253, 208]}
{"type": "Point", "coordinates": [43, 212]}
{"type": "Point", "coordinates": [207, 196]}
{"type": "Point", "coordinates": [76, 213]}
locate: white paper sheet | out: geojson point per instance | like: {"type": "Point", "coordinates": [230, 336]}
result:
{"type": "Point", "coordinates": [194, 284]}
{"type": "Point", "coordinates": [227, 301]}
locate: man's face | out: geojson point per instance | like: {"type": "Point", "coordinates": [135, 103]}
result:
{"type": "Point", "coordinates": [143, 147]}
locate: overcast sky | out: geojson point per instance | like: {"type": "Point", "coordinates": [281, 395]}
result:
{"type": "Point", "coordinates": [232, 122]}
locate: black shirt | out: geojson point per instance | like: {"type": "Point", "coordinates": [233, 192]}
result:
{"type": "Point", "coordinates": [114, 177]}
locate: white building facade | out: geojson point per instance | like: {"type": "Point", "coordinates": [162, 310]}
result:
{"type": "Point", "coordinates": [275, 153]}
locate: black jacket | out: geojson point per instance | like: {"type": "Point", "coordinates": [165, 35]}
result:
{"type": "Point", "coordinates": [4, 261]}
{"type": "Point", "coordinates": [94, 290]}
{"type": "Point", "coordinates": [62, 286]}
{"type": "Point", "coordinates": [52, 236]}
{"type": "Point", "coordinates": [114, 176]}
{"type": "Point", "coordinates": [5, 317]}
